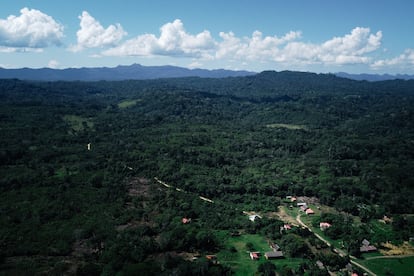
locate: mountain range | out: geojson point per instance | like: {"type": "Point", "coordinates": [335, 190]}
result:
{"type": "Point", "coordinates": [374, 77]}
{"type": "Point", "coordinates": [131, 72]}
{"type": "Point", "coordinates": [140, 72]}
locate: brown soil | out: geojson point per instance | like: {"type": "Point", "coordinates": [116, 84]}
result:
{"type": "Point", "coordinates": [389, 249]}
{"type": "Point", "coordinates": [283, 216]}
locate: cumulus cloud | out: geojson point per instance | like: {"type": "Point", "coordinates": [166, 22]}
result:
{"type": "Point", "coordinates": [92, 34]}
{"type": "Point", "coordinates": [351, 48]}
{"type": "Point", "coordinates": [403, 61]}
{"type": "Point", "coordinates": [54, 64]}
{"type": "Point", "coordinates": [173, 41]}
{"type": "Point", "coordinates": [32, 29]}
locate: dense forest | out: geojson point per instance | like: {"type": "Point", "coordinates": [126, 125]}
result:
{"type": "Point", "coordinates": [85, 167]}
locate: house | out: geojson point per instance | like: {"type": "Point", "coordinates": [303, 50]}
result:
{"type": "Point", "coordinates": [254, 255]}
{"type": "Point", "coordinates": [367, 247]}
{"type": "Point", "coordinates": [303, 208]}
{"type": "Point", "coordinates": [300, 204]}
{"type": "Point", "coordinates": [274, 255]}
{"type": "Point", "coordinates": [320, 265]}
{"type": "Point", "coordinates": [309, 211]}
{"type": "Point", "coordinates": [211, 257]}
{"type": "Point", "coordinates": [324, 225]}
{"type": "Point", "coordinates": [274, 246]}
{"type": "Point", "coordinates": [254, 217]}
{"type": "Point", "coordinates": [386, 220]}
{"type": "Point", "coordinates": [186, 220]}
{"type": "Point", "coordinates": [287, 227]}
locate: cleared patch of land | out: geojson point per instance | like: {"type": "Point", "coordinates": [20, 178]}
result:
{"type": "Point", "coordinates": [396, 266]}
{"type": "Point", "coordinates": [239, 259]}
{"type": "Point", "coordinates": [287, 126]}
{"type": "Point", "coordinates": [127, 103]}
{"type": "Point", "coordinates": [78, 123]}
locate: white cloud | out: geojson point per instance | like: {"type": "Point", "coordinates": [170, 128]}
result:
{"type": "Point", "coordinates": [54, 64]}
{"type": "Point", "coordinates": [255, 48]}
{"type": "Point", "coordinates": [32, 29]}
{"type": "Point", "coordinates": [92, 34]}
{"type": "Point", "coordinates": [403, 61]}
{"type": "Point", "coordinates": [173, 41]}
{"type": "Point", "coordinates": [195, 64]}
{"type": "Point", "coordinates": [20, 50]}
{"type": "Point", "coordinates": [288, 49]}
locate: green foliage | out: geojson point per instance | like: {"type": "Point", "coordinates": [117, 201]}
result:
{"type": "Point", "coordinates": [294, 246]}
{"type": "Point", "coordinates": [243, 142]}
{"type": "Point", "coordinates": [267, 269]}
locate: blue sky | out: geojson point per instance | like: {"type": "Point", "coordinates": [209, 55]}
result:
{"type": "Point", "coordinates": [355, 36]}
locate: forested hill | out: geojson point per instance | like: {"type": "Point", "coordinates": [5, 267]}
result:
{"type": "Point", "coordinates": [78, 163]}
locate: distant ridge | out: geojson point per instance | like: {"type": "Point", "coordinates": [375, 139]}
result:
{"type": "Point", "coordinates": [131, 72]}
{"type": "Point", "coordinates": [374, 77]}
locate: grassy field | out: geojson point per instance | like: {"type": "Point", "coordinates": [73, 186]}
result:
{"type": "Point", "coordinates": [127, 103]}
{"type": "Point", "coordinates": [78, 123]}
{"type": "Point", "coordinates": [287, 126]}
{"type": "Point", "coordinates": [239, 260]}
{"type": "Point", "coordinates": [397, 266]}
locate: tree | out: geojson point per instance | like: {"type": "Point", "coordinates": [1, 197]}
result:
{"type": "Point", "coordinates": [267, 269]}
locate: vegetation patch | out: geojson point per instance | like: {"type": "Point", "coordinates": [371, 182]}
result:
{"type": "Point", "coordinates": [127, 103]}
{"type": "Point", "coordinates": [78, 123]}
{"type": "Point", "coordinates": [391, 266]}
{"type": "Point", "coordinates": [238, 258]}
{"type": "Point", "coordinates": [288, 126]}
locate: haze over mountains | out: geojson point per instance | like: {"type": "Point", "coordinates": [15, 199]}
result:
{"type": "Point", "coordinates": [134, 71]}
{"type": "Point", "coordinates": [139, 72]}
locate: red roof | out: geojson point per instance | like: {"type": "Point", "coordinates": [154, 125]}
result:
{"type": "Point", "coordinates": [324, 225]}
{"type": "Point", "coordinates": [309, 211]}
{"type": "Point", "coordinates": [186, 220]}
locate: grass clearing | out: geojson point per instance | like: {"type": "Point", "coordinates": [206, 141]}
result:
{"type": "Point", "coordinates": [397, 266]}
{"type": "Point", "coordinates": [78, 123]}
{"type": "Point", "coordinates": [288, 126]}
{"type": "Point", "coordinates": [127, 103]}
{"type": "Point", "coordinates": [239, 259]}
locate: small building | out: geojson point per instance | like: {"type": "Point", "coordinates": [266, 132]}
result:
{"type": "Point", "coordinates": [367, 247]}
{"type": "Point", "coordinates": [254, 255]}
{"type": "Point", "coordinates": [274, 246]}
{"type": "Point", "coordinates": [186, 220]}
{"type": "Point", "coordinates": [320, 265]}
{"type": "Point", "coordinates": [287, 227]}
{"type": "Point", "coordinates": [254, 217]}
{"type": "Point", "coordinates": [211, 257]}
{"type": "Point", "coordinates": [274, 255]}
{"type": "Point", "coordinates": [324, 225]}
{"type": "Point", "coordinates": [309, 211]}
{"type": "Point", "coordinates": [300, 204]}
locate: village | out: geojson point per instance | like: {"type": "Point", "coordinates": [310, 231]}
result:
{"type": "Point", "coordinates": [298, 213]}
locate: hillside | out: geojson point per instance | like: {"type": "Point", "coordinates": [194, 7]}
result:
{"type": "Point", "coordinates": [97, 177]}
